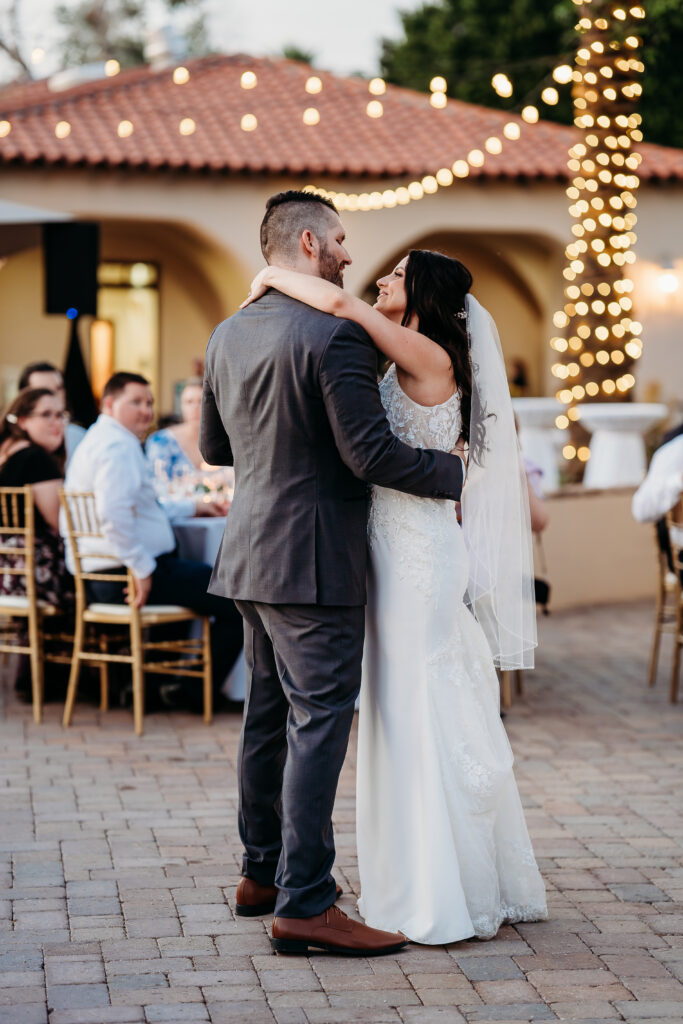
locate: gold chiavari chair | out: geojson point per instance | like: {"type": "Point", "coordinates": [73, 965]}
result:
{"type": "Point", "coordinates": [674, 524]}
{"type": "Point", "coordinates": [506, 686]}
{"type": "Point", "coordinates": [190, 657]}
{"type": "Point", "coordinates": [667, 599]}
{"type": "Point", "coordinates": [17, 558]}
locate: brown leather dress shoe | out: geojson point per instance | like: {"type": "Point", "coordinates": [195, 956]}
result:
{"type": "Point", "coordinates": [253, 900]}
{"type": "Point", "coordinates": [334, 932]}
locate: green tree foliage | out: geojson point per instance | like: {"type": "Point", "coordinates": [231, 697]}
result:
{"type": "Point", "coordinates": [101, 29]}
{"type": "Point", "coordinates": [662, 55]}
{"type": "Point", "coordinates": [468, 41]}
{"type": "Point", "coordinates": [296, 53]}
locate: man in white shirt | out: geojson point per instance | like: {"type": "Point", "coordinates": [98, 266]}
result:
{"type": "Point", "coordinates": [661, 489]}
{"type": "Point", "coordinates": [111, 463]}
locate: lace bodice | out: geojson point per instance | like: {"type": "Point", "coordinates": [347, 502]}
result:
{"type": "Point", "coordinates": [420, 426]}
{"type": "Point", "coordinates": [419, 530]}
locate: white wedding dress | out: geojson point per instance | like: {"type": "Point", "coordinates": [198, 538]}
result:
{"type": "Point", "coordinates": [443, 848]}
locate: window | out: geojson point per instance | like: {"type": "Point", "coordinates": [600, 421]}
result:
{"type": "Point", "coordinates": [127, 301]}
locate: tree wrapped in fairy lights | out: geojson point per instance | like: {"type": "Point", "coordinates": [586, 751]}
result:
{"type": "Point", "coordinates": [598, 340]}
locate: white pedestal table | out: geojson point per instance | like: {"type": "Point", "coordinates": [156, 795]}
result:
{"type": "Point", "coordinates": [618, 456]}
{"type": "Point", "coordinates": [539, 438]}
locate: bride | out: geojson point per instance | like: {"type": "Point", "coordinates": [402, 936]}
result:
{"type": "Point", "coordinates": [443, 848]}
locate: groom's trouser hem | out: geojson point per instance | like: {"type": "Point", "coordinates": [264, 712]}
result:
{"type": "Point", "coordinates": [303, 677]}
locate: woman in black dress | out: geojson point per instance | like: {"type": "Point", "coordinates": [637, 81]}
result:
{"type": "Point", "coordinates": [32, 452]}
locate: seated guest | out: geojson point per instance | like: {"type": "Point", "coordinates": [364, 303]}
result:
{"type": "Point", "coordinates": [45, 375]}
{"type": "Point", "coordinates": [538, 511]}
{"type": "Point", "coordinates": [137, 530]}
{"type": "Point", "coordinates": [175, 450]}
{"type": "Point", "coordinates": [661, 489]}
{"type": "Point", "coordinates": [31, 452]}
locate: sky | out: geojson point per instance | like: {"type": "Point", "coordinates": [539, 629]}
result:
{"type": "Point", "coordinates": [344, 35]}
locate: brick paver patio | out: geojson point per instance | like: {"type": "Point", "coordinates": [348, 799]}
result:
{"type": "Point", "coordinates": [119, 859]}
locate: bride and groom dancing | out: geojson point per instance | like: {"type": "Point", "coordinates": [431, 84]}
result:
{"type": "Point", "coordinates": [291, 400]}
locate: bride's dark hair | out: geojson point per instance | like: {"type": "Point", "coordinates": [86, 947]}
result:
{"type": "Point", "coordinates": [436, 286]}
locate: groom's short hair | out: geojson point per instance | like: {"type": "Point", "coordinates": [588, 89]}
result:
{"type": "Point", "coordinates": [287, 215]}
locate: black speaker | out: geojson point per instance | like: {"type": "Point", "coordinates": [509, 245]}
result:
{"type": "Point", "coordinates": [71, 252]}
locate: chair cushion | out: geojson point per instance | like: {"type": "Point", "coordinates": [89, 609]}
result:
{"type": "Point", "coordinates": [123, 610]}
{"type": "Point", "coordinates": [21, 604]}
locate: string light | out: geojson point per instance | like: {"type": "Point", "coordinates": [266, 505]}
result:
{"type": "Point", "coordinates": [596, 318]}
{"type": "Point", "coordinates": [502, 85]}
{"type": "Point", "coordinates": [389, 198]}
{"type": "Point", "coordinates": [563, 74]}
{"type": "Point", "coordinates": [311, 116]}
{"type": "Point", "coordinates": [111, 68]}
{"type": "Point", "coordinates": [5, 129]}
{"type": "Point", "coordinates": [430, 184]}
{"type": "Point", "coordinates": [437, 87]}
{"type": "Point", "coordinates": [416, 190]}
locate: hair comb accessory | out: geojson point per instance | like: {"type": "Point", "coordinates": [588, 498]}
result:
{"type": "Point", "coordinates": [11, 418]}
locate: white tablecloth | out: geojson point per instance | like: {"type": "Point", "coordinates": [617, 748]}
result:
{"type": "Point", "coordinates": [199, 541]}
{"type": "Point", "coordinates": [199, 538]}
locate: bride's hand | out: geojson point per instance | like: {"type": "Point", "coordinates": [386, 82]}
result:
{"type": "Point", "coordinates": [258, 287]}
{"type": "Point", "coordinates": [461, 449]}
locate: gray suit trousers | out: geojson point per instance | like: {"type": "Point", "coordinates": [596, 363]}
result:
{"type": "Point", "coordinates": [303, 677]}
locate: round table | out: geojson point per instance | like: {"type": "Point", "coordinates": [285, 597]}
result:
{"type": "Point", "coordinates": [539, 438]}
{"type": "Point", "coordinates": [199, 539]}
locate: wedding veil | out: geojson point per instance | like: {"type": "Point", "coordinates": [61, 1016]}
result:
{"type": "Point", "coordinates": [495, 506]}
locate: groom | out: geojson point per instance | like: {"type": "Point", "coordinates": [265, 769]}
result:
{"type": "Point", "coordinates": [291, 400]}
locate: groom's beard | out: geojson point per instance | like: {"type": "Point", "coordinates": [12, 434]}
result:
{"type": "Point", "coordinates": [330, 268]}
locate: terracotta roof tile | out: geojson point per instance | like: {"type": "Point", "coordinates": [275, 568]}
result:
{"type": "Point", "coordinates": [410, 140]}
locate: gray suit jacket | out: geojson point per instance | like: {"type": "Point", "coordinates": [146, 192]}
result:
{"type": "Point", "coordinates": [291, 400]}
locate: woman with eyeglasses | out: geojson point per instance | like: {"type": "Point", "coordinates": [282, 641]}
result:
{"type": "Point", "coordinates": [32, 452]}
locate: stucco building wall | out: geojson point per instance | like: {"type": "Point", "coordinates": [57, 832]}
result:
{"type": "Point", "coordinates": [202, 232]}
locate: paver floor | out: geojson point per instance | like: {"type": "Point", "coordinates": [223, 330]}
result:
{"type": "Point", "coordinates": [119, 858]}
